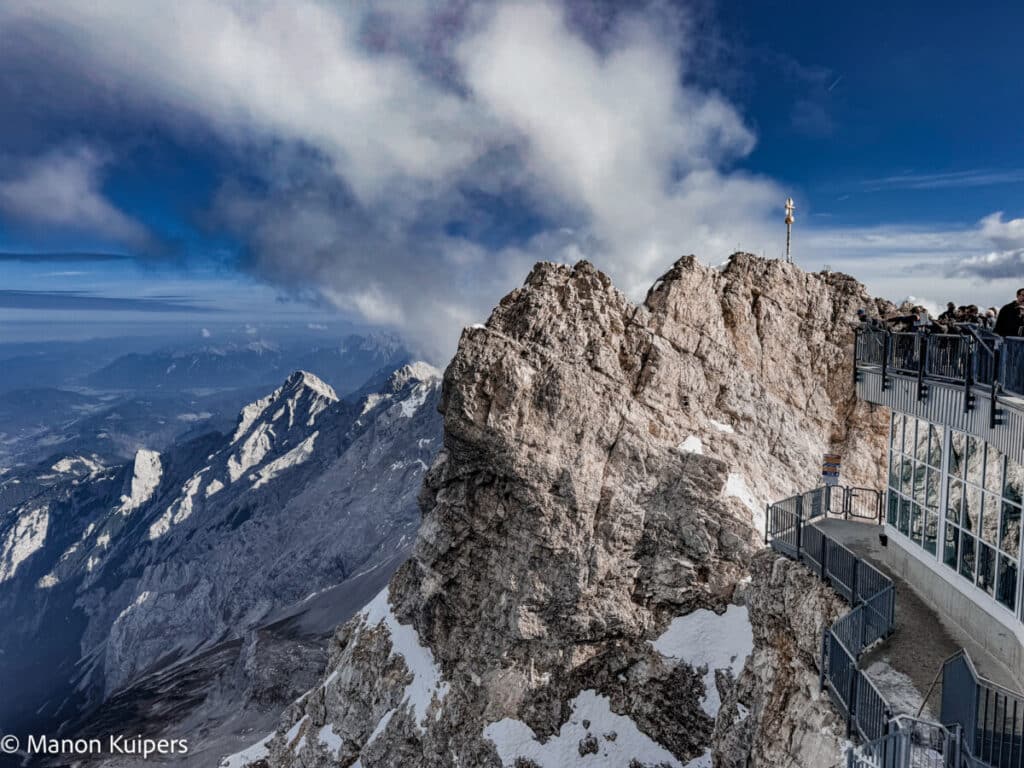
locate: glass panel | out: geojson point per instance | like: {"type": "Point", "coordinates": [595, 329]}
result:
{"type": "Point", "coordinates": [1009, 537]}
{"type": "Point", "coordinates": [931, 531]}
{"type": "Point", "coordinates": [909, 436]}
{"type": "Point", "coordinates": [1013, 484]}
{"type": "Point", "coordinates": [915, 523]}
{"type": "Point", "coordinates": [896, 435]}
{"type": "Point", "coordinates": [894, 507]}
{"type": "Point", "coordinates": [958, 444]}
{"type": "Point", "coordinates": [920, 475]}
{"type": "Point", "coordinates": [967, 552]}
{"type": "Point", "coordinates": [932, 494]}
{"type": "Point", "coordinates": [894, 471]}
{"type": "Point", "coordinates": [1006, 588]}
{"type": "Point", "coordinates": [921, 446]}
{"type": "Point", "coordinates": [986, 568]}
{"type": "Point", "coordinates": [951, 546]}
{"type": "Point", "coordinates": [954, 502]}
{"type": "Point", "coordinates": [974, 460]}
{"type": "Point", "coordinates": [907, 485]}
{"type": "Point", "coordinates": [990, 519]}
{"type": "Point", "coordinates": [935, 446]}
{"type": "Point", "coordinates": [993, 469]}
{"type": "Point", "coordinates": [972, 508]}
{"type": "Point", "coordinates": [904, 521]}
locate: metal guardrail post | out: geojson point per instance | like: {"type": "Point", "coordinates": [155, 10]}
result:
{"type": "Point", "coordinates": [767, 521]}
{"type": "Point", "coordinates": [969, 376]}
{"type": "Point", "coordinates": [886, 347]}
{"type": "Point", "coordinates": [824, 557]}
{"type": "Point", "coordinates": [922, 356]}
{"type": "Point", "coordinates": [799, 536]}
{"type": "Point", "coordinates": [824, 658]}
{"type": "Point", "coordinates": [851, 703]}
{"type": "Point", "coordinates": [799, 523]}
{"type": "Point", "coordinates": [996, 360]}
{"type": "Point", "coordinates": [856, 356]}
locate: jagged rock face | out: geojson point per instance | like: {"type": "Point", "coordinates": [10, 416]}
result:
{"type": "Point", "coordinates": [775, 714]}
{"type": "Point", "coordinates": [603, 472]}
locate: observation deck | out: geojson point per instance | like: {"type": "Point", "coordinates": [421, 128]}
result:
{"type": "Point", "coordinates": [971, 381]}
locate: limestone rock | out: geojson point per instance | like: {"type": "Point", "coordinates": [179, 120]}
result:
{"type": "Point", "coordinates": [604, 471]}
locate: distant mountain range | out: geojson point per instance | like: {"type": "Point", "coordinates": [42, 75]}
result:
{"type": "Point", "coordinates": [155, 398]}
{"type": "Point", "coordinates": [178, 570]}
{"type": "Point", "coordinates": [345, 365]}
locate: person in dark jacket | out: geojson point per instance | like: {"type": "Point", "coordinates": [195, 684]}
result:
{"type": "Point", "coordinates": [948, 317]}
{"type": "Point", "coordinates": [1011, 317]}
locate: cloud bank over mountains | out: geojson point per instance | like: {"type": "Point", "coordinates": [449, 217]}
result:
{"type": "Point", "coordinates": [407, 164]}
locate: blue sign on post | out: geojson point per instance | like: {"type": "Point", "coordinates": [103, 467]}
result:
{"type": "Point", "coordinates": [831, 464]}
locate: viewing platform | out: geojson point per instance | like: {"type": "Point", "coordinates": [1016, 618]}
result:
{"type": "Point", "coordinates": [971, 381]}
{"type": "Point", "coordinates": [915, 668]}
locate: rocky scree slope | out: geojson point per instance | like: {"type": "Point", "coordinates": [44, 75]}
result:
{"type": "Point", "coordinates": [191, 552]}
{"type": "Point", "coordinates": [589, 522]}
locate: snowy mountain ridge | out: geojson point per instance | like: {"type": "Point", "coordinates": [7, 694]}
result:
{"type": "Point", "coordinates": [178, 552]}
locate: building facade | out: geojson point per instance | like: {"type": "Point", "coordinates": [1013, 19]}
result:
{"type": "Point", "coordinates": [958, 499]}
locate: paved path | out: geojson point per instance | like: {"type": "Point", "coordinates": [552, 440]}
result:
{"type": "Point", "coordinates": [904, 666]}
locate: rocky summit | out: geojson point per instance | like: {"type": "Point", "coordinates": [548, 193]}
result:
{"type": "Point", "coordinates": [581, 581]}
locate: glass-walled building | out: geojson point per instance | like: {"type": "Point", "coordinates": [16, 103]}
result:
{"type": "Point", "coordinates": [958, 498]}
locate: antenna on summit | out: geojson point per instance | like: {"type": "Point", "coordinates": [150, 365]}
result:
{"type": "Point", "coordinates": [789, 228]}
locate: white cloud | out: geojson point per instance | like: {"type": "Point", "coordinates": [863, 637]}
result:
{"type": "Point", "coordinates": [291, 69]}
{"type": "Point", "coordinates": [371, 130]}
{"type": "Point", "coordinates": [63, 189]}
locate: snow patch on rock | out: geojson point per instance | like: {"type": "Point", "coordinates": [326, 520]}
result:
{"type": "Point", "coordinates": [296, 456]}
{"type": "Point", "coordinates": [258, 751]}
{"type": "Point", "coordinates": [329, 738]}
{"type": "Point", "coordinates": [516, 741]}
{"type": "Point", "coordinates": [147, 472]}
{"type": "Point", "coordinates": [415, 401]}
{"type": "Point", "coordinates": [48, 581]}
{"type": "Point", "coordinates": [706, 640]}
{"type": "Point", "coordinates": [253, 451]}
{"type": "Point", "coordinates": [180, 510]}
{"type": "Point", "coordinates": [427, 682]}
{"type": "Point", "coordinates": [692, 444]}
{"type": "Point", "coordinates": [25, 538]}
{"type": "Point", "coordinates": [736, 486]}
{"type": "Point", "coordinates": [897, 688]}
{"type": "Point", "coordinates": [71, 462]}
{"type": "Point", "coordinates": [722, 427]}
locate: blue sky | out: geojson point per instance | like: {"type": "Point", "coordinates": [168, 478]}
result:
{"type": "Point", "coordinates": [403, 164]}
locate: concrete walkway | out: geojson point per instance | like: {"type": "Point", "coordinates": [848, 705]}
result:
{"type": "Point", "coordinates": [905, 666]}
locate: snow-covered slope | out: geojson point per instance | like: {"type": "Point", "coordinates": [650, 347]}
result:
{"type": "Point", "coordinates": [178, 553]}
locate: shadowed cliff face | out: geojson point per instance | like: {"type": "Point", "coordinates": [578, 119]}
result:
{"type": "Point", "coordinates": [604, 473]}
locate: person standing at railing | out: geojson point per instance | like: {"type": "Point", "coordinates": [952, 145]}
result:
{"type": "Point", "coordinates": [948, 318]}
{"type": "Point", "coordinates": [866, 322]}
{"type": "Point", "coordinates": [1011, 317]}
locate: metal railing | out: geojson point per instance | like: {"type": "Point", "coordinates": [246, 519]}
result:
{"type": "Point", "coordinates": [983, 723]}
{"type": "Point", "coordinates": [789, 529]}
{"type": "Point", "coordinates": [991, 717]}
{"type": "Point", "coordinates": [911, 743]}
{"type": "Point", "coordinates": [973, 357]}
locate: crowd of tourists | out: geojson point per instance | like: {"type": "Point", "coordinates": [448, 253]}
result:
{"type": "Point", "coordinates": [1007, 321]}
